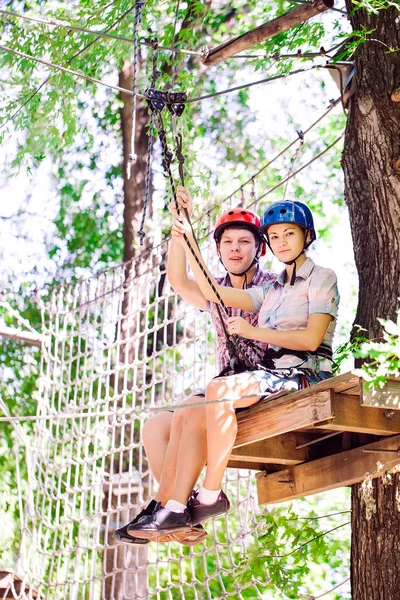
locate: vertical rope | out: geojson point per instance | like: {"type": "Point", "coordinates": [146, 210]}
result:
{"type": "Point", "coordinates": [155, 75]}
{"type": "Point", "coordinates": [173, 45]}
{"type": "Point", "coordinates": [132, 158]}
{"type": "Point", "coordinates": [141, 232]}
{"type": "Point", "coordinates": [294, 159]}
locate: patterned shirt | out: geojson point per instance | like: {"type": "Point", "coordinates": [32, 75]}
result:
{"type": "Point", "coordinates": [260, 278]}
{"type": "Point", "coordinates": [282, 306]}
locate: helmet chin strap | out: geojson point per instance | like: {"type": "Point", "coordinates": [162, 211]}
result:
{"type": "Point", "coordinates": [293, 262]}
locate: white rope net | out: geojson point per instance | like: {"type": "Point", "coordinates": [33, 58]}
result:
{"type": "Point", "coordinates": [117, 346]}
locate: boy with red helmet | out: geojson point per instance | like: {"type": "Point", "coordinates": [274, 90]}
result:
{"type": "Point", "coordinates": [239, 245]}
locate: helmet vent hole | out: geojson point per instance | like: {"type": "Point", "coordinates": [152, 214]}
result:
{"type": "Point", "coordinates": [270, 212]}
{"type": "Point", "coordinates": [243, 212]}
{"type": "Point", "coordinates": [282, 211]}
{"type": "Point", "coordinates": [231, 212]}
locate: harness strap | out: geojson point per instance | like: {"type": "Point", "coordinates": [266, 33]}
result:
{"type": "Point", "coordinates": [271, 355]}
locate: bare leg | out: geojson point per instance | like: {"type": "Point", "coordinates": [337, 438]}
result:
{"type": "Point", "coordinates": [222, 423]}
{"type": "Point", "coordinates": [162, 438]}
{"type": "Point", "coordinates": [167, 478]}
{"type": "Point", "coordinates": [192, 452]}
{"type": "Point", "coordinates": [156, 434]}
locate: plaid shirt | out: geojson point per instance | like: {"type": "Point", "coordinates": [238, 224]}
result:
{"type": "Point", "coordinates": [260, 278]}
{"type": "Point", "coordinates": [282, 306]}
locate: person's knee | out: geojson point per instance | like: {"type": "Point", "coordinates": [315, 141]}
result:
{"type": "Point", "coordinates": [216, 402]}
{"type": "Point", "coordinates": [156, 428]}
{"type": "Point", "coordinates": [194, 419]}
{"type": "Point", "coordinates": [212, 390]}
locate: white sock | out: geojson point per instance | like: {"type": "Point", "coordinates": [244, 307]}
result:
{"type": "Point", "coordinates": [208, 496]}
{"type": "Point", "coordinates": [175, 506]}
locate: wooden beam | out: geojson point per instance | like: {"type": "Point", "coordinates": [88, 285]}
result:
{"type": "Point", "coordinates": [387, 397]}
{"type": "Point", "coordinates": [263, 422]}
{"type": "Point", "coordinates": [328, 473]}
{"type": "Point", "coordinates": [349, 415]}
{"type": "Point", "coordinates": [252, 466]}
{"type": "Point", "coordinates": [297, 15]}
{"type": "Point", "coordinates": [9, 582]}
{"type": "Point", "coordinates": [21, 336]}
{"type": "Point", "coordinates": [280, 450]}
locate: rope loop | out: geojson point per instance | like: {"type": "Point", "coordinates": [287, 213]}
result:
{"type": "Point", "coordinates": [180, 157]}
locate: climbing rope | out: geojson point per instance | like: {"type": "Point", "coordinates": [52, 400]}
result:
{"type": "Point", "coordinates": [132, 158]}
{"type": "Point", "coordinates": [296, 155]}
{"type": "Point", "coordinates": [173, 45]}
{"type": "Point", "coordinates": [175, 102]}
{"type": "Point", "coordinates": [234, 344]}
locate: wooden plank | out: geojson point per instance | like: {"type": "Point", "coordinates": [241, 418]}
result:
{"type": "Point", "coordinates": [280, 450]}
{"type": "Point", "coordinates": [297, 15]}
{"type": "Point", "coordinates": [345, 468]}
{"type": "Point", "coordinates": [252, 466]}
{"type": "Point", "coordinates": [9, 581]}
{"type": "Point", "coordinates": [340, 383]}
{"type": "Point", "coordinates": [349, 415]}
{"type": "Point", "coordinates": [353, 391]}
{"type": "Point", "coordinates": [387, 397]}
{"type": "Point", "coordinates": [256, 425]}
{"type": "Point", "coordinates": [36, 339]}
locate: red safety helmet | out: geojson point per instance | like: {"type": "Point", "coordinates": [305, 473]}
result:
{"type": "Point", "coordinates": [242, 219]}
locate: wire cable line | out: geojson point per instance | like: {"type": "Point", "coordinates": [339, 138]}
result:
{"type": "Point", "coordinates": [291, 175]}
{"type": "Point", "coordinates": [99, 34]}
{"type": "Point", "coordinates": [68, 62]}
{"type": "Point", "coordinates": [125, 91]}
{"type": "Point", "coordinates": [251, 84]}
{"type": "Point", "coordinates": [41, 61]}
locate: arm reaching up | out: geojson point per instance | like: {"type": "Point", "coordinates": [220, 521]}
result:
{"type": "Point", "coordinates": [187, 287]}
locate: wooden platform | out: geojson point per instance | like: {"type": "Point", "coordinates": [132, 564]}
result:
{"type": "Point", "coordinates": [326, 436]}
{"type": "Point", "coordinates": [10, 582]}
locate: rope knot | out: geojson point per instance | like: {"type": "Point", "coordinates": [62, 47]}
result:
{"type": "Point", "coordinates": [132, 158]}
{"type": "Point", "coordinates": [141, 235]}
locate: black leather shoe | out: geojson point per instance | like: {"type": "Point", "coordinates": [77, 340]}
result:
{"type": "Point", "coordinates": [122, 534]}
{"type": "Point", "coordinates": [160, 523]}
{"type": "Point", "coordinates": [201, 512]}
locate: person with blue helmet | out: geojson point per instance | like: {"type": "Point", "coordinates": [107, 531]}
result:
{"type": "Point", "coordinates": [296, 318]}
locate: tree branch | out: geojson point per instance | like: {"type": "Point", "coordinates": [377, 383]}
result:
{"type": "Point", "coordinates": [293, 17]}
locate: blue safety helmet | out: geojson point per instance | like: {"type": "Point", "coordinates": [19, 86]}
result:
{"type": "Point", "coordinates": [289, 211]}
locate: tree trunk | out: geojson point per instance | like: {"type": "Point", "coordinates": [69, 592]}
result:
{"type": "Point", "coordinates": [372, 194]}
{"type": "Point", "coordinates": [135, 187]}
{"type": "Point", "coordinates": [372, 183]}
{"type": "Point", "coordinates": [134, 195]}
{"type": "Point", "coordinates": [375, 547]}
